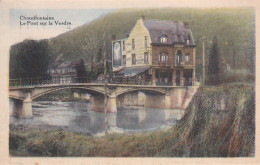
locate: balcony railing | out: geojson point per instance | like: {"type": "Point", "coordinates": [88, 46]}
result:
{"type": "Point", "coordinates": [164, 63]}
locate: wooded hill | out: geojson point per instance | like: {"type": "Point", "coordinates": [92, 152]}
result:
{"type": "Point", "coordinates": [234, 28]}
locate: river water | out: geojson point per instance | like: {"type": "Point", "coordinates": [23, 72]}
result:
{"type": "Point", "coordinates": [78, 117]}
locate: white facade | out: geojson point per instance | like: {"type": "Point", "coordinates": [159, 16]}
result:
{"type": "Point", "coordinates": [135, 49]}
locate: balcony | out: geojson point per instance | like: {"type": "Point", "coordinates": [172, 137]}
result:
{"type": "Point", "coordinates": [171, 64]}
{"type": "Point", "coordinates": [164, 63]}
{"type": "Point", "coordinates": [179, 63]}
{"type": "Point", "coordinates": [183, 64]}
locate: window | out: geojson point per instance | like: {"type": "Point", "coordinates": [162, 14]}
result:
{"type": "Point", "coordinates": [124, 60]}
{"type": "Point", "coordinates": [133, 59]}
{"type": "Point", "coordinates": [178, 57]}
{"type": "Point", "coordinates": [163, 39]}
{"type": "Point", "coordinates": [145, 41]}
{"type": "Point", "coordinates": [177, 78]}
{"type": "Point", "coordinates": [187, 58]}
{"type": "Point", "coordinates": [146, 57]}
{"type": "Point", "coordinates": [188, 40]}
{"type": "Point", "coordinates": [123, 45]}
{"type": "Point", "coordinates": [179, 37]}
{"type": "Point", "coordinates": [163, 57]}
{"type": "Point", "coordinates": [133, 43]}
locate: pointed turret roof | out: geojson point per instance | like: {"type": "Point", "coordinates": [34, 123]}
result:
{"type": "Point", "coordinates": [59, 58]}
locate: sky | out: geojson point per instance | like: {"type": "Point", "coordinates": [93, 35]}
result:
{"type": "Point", "coordinates": [22, 28]}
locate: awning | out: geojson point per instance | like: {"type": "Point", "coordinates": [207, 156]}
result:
{"type": "Point", "coordinates": [132, 71]}
{"type": "Point", "coordinates": [117, 69]}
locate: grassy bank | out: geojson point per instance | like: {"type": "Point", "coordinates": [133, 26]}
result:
{"type": "Point", "coordinates": [204, 131]}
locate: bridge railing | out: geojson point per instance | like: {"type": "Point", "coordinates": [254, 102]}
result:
{"type": "Point", "coordinates": [27, 82]}
{"type": "Point", "coordinates": [39, 81]}
{"type": "Point", "coordinates": [130, 81]}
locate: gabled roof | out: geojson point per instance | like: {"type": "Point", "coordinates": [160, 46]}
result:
{"type": "Point", "coordinates": [65, 64]}
{"type": "Point", "coordinates": [59, 58]}
{"type": "Point", "coordinates": [175, 31]}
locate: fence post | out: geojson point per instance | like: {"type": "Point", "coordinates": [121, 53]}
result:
{"type": "Point", "coordinates": [20, 81]}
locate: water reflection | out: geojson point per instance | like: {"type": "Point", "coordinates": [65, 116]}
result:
{"type": "Point", "coordinates": [142, 118]}
{"type": "Point", "coordinates": [77, 117]}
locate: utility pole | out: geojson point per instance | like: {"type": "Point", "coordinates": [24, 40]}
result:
{"type": "Point", "coordinates": [105, 100]}
{"type": "Point", "coordinates": [105, 76]}
{"type": "Point", "coordinates": [232, 45]}
{"type": "Point", "coordinates": [203, 60]}
{"type": "Point", "coordinates": [234, 59]}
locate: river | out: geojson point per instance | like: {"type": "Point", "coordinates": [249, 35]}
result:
{"type": "Point", "coordinates": [78, 117]}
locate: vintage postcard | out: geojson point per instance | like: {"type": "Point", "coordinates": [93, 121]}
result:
{"type": "Point", "coordinates": [159, 83]}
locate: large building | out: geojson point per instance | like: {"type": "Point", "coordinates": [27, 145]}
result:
{"type": "Point", "coordinates": [156, 52]}
{"type": "Point", "coordinates": [65, 72]}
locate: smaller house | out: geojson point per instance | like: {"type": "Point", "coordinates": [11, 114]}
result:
{"type": "Point", "coordinates": [65, 72]}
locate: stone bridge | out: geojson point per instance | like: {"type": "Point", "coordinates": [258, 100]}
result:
{"type": "Point", "coordinates": [117, 94]}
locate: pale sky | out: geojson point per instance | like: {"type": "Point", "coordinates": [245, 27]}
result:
{"type": "Point", "coordinates": [76, 17]}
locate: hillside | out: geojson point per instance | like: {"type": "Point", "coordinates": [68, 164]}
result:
{"type": "Point", "coordinates": [230, 25]}
{"type": "Point", "coordinates": [233, 27]}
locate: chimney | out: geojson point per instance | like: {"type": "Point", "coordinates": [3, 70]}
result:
{"type": "Point", "coordinates": [127, 35]}
{"type": "Point", "coordinates": [113, 37]}
{"type": "Point", "coordinates": [186, 25]}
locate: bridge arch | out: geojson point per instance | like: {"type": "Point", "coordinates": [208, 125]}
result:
{"type": "Point", "coordinates": [62, 88]}
{"type": "Point", "coordinates": [141, 89]}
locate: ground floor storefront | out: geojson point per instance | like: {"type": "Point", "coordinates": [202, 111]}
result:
{"type": "Point", "coordinates": [156, 76]}
{"type": "Point", "coordinates": [62, 79]}
{"type": "Point", "coordinates": [173, 77]}
{"type": "Point", "coordinates": [133, 75]}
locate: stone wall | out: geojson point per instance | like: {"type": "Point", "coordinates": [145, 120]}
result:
{"type": "Point", "coordinates": [181, 97]}
{"type": "Point", "coordinates": [176, 98]}
{"type": "Point", "coordinates": [128, 99]}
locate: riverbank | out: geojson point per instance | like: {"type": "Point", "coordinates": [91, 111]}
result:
{"type": "Point", "coordinates": [211, 127]}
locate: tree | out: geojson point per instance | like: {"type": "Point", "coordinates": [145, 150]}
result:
{"type": "Point", "coordinates": [215, 71]}
{"type": "Point", "coordinates": [95, 47]}
{"type": "Point", "coordinates": [29, 59]}
{"type": "Point", "coordinates": [91, 47]}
